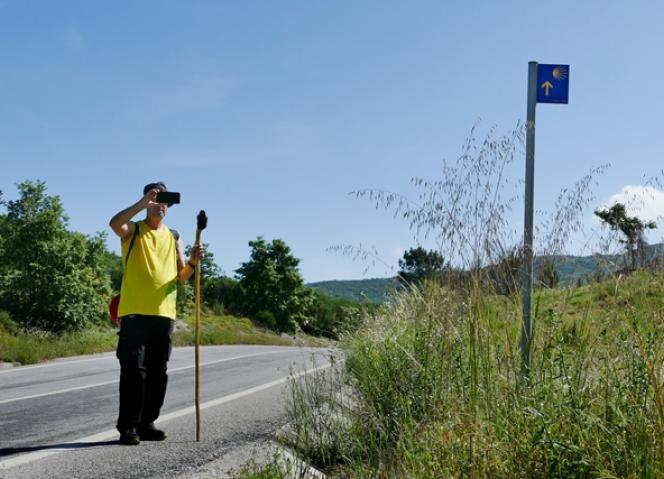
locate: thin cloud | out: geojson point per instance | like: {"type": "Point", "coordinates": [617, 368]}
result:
{"type": "Point", "coordinates": [645, 202]}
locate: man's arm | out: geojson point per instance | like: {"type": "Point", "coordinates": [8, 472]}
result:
{"type": "Point", "coordinates": [121, 223]}
{"type": "Point", "coordinates": [185, 270]}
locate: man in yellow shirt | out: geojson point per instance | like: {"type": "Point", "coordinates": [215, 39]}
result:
{"type": "Point", "coordinates": [153, 264]}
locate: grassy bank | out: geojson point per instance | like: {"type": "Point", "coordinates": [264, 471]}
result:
{"type": "Point", "coordinates": [33, 347]}
{"type": "Point", "coordinates": [432, 387]}
{"type": "Point", "coordinates": [30, 348]}
{"type": "Point", "coordinates": [228, 329]}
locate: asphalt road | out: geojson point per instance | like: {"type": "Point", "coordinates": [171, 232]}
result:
{"type": "Point", "coordinates": [57, 419]}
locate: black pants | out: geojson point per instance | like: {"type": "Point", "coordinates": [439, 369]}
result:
{"type": "Point", "coordinates": [144, 348]}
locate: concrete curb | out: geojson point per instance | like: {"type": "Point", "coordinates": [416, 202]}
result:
{"type": "Point", "coordinates": [295, 467]}
{"type": "Point", "coordinates": [260, 454]}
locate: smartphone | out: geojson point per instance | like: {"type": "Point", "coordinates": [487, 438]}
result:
{"type": "Point", "coordinates": [168, 197]}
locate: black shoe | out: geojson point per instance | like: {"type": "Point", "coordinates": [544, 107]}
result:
{"type": "Point", "coordinates": [130, 438]}
{"type": "Point", "coordinates": [151, 433]}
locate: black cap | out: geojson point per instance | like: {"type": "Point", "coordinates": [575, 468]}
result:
{"type": "Point", "coordinates": [152, 186]}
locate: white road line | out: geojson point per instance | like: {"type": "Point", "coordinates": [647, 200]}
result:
{"type": "Point", "coordinates": [111, 433]}
{"type": "Point", "coordinates": [67, 362]}
{"type": "Point", "coordinates": [105, 383]}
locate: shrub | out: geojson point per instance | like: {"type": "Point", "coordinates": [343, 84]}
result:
{"type": "Point", "coordinates": [222, 295]}
{"type": "Point", "coordinates": [332, 316]}
{"type": "Point", "coordinates": [7, 324]}
{"type": "Point", "coordinates": [266, 318]}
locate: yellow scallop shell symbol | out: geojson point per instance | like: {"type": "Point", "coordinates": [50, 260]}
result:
{"type": "Point", "coordinates": [559, 73]}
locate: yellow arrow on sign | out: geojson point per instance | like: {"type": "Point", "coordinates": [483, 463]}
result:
{"type": "Point", "coordinates": [547, 85]}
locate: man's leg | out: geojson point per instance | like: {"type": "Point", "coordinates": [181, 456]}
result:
{"type": "Point", "coordinates": [131, 353]}
{"type": "Point", "coordinates": [157, 354]}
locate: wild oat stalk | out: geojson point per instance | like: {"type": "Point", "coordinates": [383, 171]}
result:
{"type": "Point", "coordinates": [429, 383]}
{"type": "Point", "coordinates": [466, 212]}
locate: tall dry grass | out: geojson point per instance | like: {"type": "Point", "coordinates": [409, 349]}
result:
{"type": "Point", "coordinates": [431, 386]}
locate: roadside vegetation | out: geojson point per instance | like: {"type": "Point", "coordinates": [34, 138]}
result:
{"type": "Point", "coordinates": [257, 471]}
{"type": "Point", "coordinates": [18, 346]}
{"type": "Point", "coordinates": [432, 384]}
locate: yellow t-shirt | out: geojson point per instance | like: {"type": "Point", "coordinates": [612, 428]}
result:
{"type": "Point", "coordinates": [149, 281]}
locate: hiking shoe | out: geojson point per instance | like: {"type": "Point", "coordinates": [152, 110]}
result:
{"type": "Point", "coordinates": [151, 433]}
{"type": "Point", "coordinates": [130, 438]}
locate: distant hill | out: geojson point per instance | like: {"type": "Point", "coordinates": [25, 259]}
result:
{"type": "Point", "coordinates": [573, 268]}
{"type": "Point", "coordinates": [570, 270]}
{"type": "Point", "coordinates": [371, 290]}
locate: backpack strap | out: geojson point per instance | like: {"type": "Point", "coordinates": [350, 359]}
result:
{"type": "Point", "coordinates": [176, 237]}
{"type": "Point", "coordinates": [133, 240]}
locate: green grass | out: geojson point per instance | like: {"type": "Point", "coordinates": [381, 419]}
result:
{"type": "Point", "coordinates": [29, 348]}
{"type": "Point", "coordinates": [32, 348]}
{"type": "Point", "coordinates": [256, 471]}
{"type": "Point", "coordinates": [226, 329]}
{"type": "Point", "coordinates": [432, 387]}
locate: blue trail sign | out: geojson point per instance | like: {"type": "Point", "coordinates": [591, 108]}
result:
{"type": "Point", "coordinates": [546, 84]}
{"type": "Point", "coordinates": [552, 83]}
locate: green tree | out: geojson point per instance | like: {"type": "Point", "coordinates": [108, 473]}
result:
{"type": "Point", "coordinates": [631, 227]}
{"type": "Point", "coordinates": [222, 295]}
{"type": "Point", "coordinates": [113, 265]}
{"type": "Point", "coordinates": [185, 299]}
{"type": "Point", "coordinates": [271, 282]}
{"type": "Point", "coordinates": [332, 316]}
{"type": "Point", "coordinates": [418, 264]}
{"type": "Point", "coordinates": [50, 278]}
{"type": "Point", "coordinates": [209, 269]}
{"type": "Point", "coordinates": [3, 230]}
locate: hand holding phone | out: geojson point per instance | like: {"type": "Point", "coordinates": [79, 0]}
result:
{"type": "Point", "coordinates": [168, 197]}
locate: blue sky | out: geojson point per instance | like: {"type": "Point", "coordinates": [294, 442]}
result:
{"type": "Point", "coordinates": [267, 114]}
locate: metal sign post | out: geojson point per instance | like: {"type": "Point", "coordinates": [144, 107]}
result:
{"type": "Point", "coordinates": [546, 84]}
{"type": "Point", "coordinates": [527, 330]}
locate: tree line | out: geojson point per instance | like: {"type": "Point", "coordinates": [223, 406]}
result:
{"type": "Point", "coordinates": [269, 288]}
{"type": "Point", "coordinates": [56, 280]}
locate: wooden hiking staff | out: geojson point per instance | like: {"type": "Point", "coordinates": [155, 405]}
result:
{"type": "Point", "coordinates": [201, 223]}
